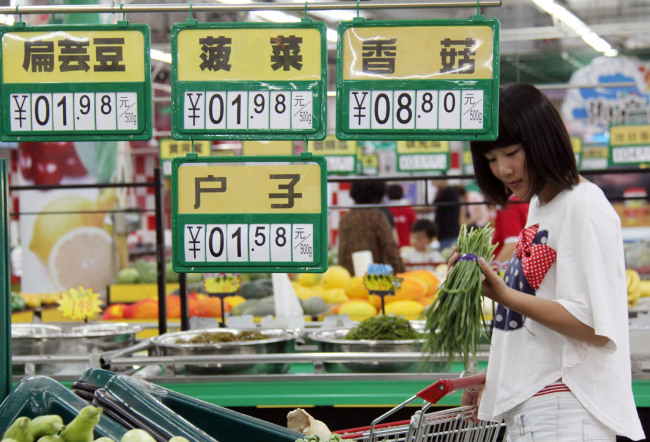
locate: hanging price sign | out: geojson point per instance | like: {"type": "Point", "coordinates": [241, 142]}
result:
{"type": "Point", "coordinates": [249, 214]}
{"type": "Point", "coordinates": [629, 145]}
{"type": "Point", "coordinates": [174, 148]}
{"type": "Point", "coordinates": [415, 156]}
{"type": "Point", "coordinates": [76, 83]}
{"type": "Point", "coordinates": [256, 81]}
{"type": "Point", "coordinates": [341, 155]}
{"type": "Point", "coordinates": [423, 80]}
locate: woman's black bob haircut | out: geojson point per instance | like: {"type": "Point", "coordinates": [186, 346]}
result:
{"type": "Point", "coordinates": [527, 117]}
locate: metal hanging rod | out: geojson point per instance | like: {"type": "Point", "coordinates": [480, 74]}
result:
{"type": "Point", "coordinates": [117, 8]}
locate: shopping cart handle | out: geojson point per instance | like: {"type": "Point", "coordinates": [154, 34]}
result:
{"type": "Point", "coordinates": [436, 391]}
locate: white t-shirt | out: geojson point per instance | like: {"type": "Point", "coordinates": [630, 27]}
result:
{"type": "Point", "coordinates": [576, 259]}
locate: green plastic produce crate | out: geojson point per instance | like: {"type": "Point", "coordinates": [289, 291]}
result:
{"type": "Point", "coordinates": [39, 395]}
{"type": "Point", "coordinates": [159, 405]}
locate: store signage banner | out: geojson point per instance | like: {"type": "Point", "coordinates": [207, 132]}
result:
{"type": "Point", "coordinates": [341, 155]}
{"type": "Point", "coordinates": [170, 149]}
{"type": "Point", "coordinates": [421, 156]}
{"type": "Point", "coordinates": [421, 80]}
{"type": "Point", "coordinates": [76, 82]}
{"type": "Point", "coordinates": [249, 214]}
{"type": "Point", "coordinates": [629, 145]}
{"type": "Point", "coordinates": [249, 81]}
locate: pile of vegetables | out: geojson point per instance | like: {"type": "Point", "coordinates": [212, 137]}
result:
{"type": "Point", "coordinates": [383, 328]}
{"type": "Point", "coordinates": [454, 322]}
{"type": "Point", "coordinates": [50, 428]}
{"type": "Point", "coordinates": [213, 338]}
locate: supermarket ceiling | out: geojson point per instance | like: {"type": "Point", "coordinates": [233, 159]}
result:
{"type": "Point", "coordinates": [536, 47]}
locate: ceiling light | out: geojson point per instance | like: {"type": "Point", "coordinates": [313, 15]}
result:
{"type": "Point", "coordinates": [562, 14]}
{"type": "Point", "coordinates": [159, 55]}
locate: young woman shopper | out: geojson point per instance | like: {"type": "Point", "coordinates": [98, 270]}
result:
{"type": "Point", "coordinates": [559, 366]}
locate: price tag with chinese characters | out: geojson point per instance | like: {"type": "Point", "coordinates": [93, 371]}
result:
{"type": "Point", "coordinates": [629, 145]}
{"type": "Point", "coordinates": [174, 148]}
{"type": "Point", "coordinates": [249, 214]}
{"type": "Point", "coordinates": [341, 155]}
{"type": "Point", "coordinates": [255, 81]}
{"type": "Point", "coordinates": [81, 82]}
{"type": "Point", "coordinates": [415, 156]}
{"type": "Point", "coordinates": [221, 283]}
{"type": "Point", "coordinates": [80, 304]}
{"type": "Point", "coordinates": [421, 80]}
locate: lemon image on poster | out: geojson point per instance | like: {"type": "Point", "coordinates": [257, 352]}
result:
{"type": "Point", "coordinates": [68, 238]}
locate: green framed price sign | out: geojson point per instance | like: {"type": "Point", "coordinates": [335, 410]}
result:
{"type": "Point", "coordinates": [254, 81]}
{"type": "Point", "coordinates": [576, 143]}
{"type": "Point", "coordinates": [76, 82]}
{"type": "Point", "coordinates": [421, 80]}
{"type": "Point", "coordinates": [629, 145]}
{"type": "Point", "coordinates": [170, 149]}
{"type": "Point", "coordinates": [249, 214]}
{"type": "Point", "coordinates": [369, 164]}
{"type": "Point", "coordinates": [416, 156]}
{"type": "Point", "coordinates": [341, 155]}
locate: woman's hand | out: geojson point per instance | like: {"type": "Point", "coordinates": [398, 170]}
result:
{"type": "Point", "coordinates": [472, 397]}
{"type": "Point", "coordinates": [493, 286]}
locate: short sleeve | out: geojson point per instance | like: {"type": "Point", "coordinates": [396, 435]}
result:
{"type": "Point", "coordinates": [590, 268]}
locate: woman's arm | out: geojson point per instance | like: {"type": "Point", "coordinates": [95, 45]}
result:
{"type": "Point", "coordinates": [548, 313]}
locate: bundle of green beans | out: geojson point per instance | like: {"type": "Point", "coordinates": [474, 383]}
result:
{"type": "Point", "coordinates": [455, 320]}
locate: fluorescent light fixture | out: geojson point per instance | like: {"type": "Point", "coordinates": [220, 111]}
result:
{"type": "Point", "coordinates": [560, 13]}
{"type": "Point", "coordinates": [159, 55]}
{"type": "Point", "coordinates": [7, 19]}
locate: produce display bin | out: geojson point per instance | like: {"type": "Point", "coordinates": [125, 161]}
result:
{"type": "Point", "coordinates": [176, 413]}
{"type": "Point", "coordinates": [40, 395]}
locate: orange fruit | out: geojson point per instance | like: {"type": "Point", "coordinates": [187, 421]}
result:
{"type": "Point", "coordinates": [430, 279]}
{"type": "Point", "coordinates": [209, 307]}
{"type": "Point", "coordinates": [412, 289]}
{"type": "Point", "coordinates": [143, 309]}
{"type": "Point", "coordinates": [114, 311]}
{"type": "Point", "coordinates": [356, 289]}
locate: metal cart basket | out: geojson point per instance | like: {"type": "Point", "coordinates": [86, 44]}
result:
{"type": "Point", "coordinates": [447, 425]}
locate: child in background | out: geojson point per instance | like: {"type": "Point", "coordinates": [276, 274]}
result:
{"type": "Point", "coordinates": [423, 255]}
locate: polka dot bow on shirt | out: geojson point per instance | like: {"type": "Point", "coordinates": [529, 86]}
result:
{"type": "Point", "coordinates": [536, 257]}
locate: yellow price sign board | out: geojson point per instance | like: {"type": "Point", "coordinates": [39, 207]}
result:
{"type": "Point", "coordinates": [70, 56]}
{"type": "Point", "coordinates": [177, 148]}
{"type": "Point", "coordinates": [629, 135]}
{"type": "Point", "coordinates": [80, 304]}
{"type": "Point", "coordinates": [255, 54]}
{"type": "Point", "coordinates": [259, 188]}
{"type": "Point", "coordinates": [418, 52]}
{"type": "Point", "coordinates": [249, 214]}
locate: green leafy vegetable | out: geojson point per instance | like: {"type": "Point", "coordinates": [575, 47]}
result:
{"type": "Point", "coordinates": [383, 328]}
{"type": "Point", "coordinates": [454, 322]}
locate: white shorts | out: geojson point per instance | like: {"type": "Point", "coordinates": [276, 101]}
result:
{"type": "Point", "coordinates": [555, 417]}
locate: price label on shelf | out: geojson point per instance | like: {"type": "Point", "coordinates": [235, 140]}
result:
{"type": "Point", "coordinates": [249, 214]}
{"type": "Point", "coordinates": [419, 80]}
{"type": "Point", "coordinates": [81, 83]}
{"type": "Point", "coordinates": [254, 81]}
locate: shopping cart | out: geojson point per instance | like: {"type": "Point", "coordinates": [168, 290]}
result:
{"type": "Point", "coordinates": [447, 425]}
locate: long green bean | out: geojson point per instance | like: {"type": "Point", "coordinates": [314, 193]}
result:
{"type": "Point", "coordinates": [455, 322]}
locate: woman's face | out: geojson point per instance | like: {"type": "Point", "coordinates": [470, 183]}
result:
{"type": "Point", "coordinates": [508, 164]}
